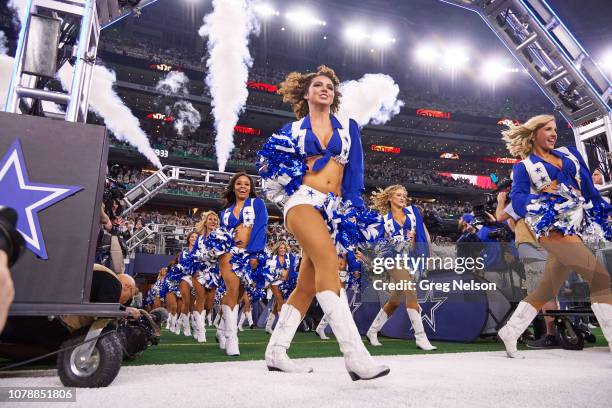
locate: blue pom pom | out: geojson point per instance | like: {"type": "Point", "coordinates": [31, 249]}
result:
{"type": "Point", "coordinates": [281, 165]}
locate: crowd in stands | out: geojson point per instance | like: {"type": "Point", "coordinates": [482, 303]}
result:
{"type": "Point", "coordinates": [414, 91]}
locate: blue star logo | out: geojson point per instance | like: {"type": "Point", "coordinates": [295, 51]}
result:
{"type": "Point", "coordinates": [310, 193]}
{"type": "Point", "coordinates": [429, 304]}
{"type": "Point", "coordinates": [543, 179]}
{"type": "Point", "coordinates": [28, 198]}
{"type": "Point", "coordinates": [538, 170]}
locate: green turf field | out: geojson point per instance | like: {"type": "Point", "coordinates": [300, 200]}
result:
{"type": "Point", "coordinates": [175, 349]}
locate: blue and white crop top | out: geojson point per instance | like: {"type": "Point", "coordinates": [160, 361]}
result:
{"type": "Point", "coordinates": [253, 214]}
{"type": "Point", "coordinates": [533, 175]}
{"type": "Point", "coordinates": [281, 161]}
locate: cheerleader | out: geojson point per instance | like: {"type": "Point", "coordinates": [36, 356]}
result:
{"type": "Point", "coordinates": [553, 191]}
{"type": "Point", "coordinates": [209, 223]}
{"type": "Point", "coordinates": [245, 217]}
{"type": "Point", "coordinates": [185, 264]}
{"type": "Point", "coordinates": [406, 233]}
{"type": "Point", "coordinates": [283, 264]}
{"type": "Point", "coordinates": [153, 299]}
{"type": "Point", "coordinates": [307, 166]}
{"type": "Point", "coordinates": [171, 293]}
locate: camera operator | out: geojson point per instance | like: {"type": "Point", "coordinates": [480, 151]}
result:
{"type": "Point", "coordinates": [468, 244]}
{"type": "Point", "coordinates": [111, 248]}
{"type": "Point", "coordinates": [11, 246]}
{"type": "Point", "coordinates": [598, 181]}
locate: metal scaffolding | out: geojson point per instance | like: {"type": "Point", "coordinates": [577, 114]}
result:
{"type": "Point", "coordinates": [152, 185]}
{"type": "Point", "coordinates": [80, 23]}
{"type": "Point", "coordinates": [561, 68]}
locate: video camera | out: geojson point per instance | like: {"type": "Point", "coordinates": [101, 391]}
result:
{"type": "Point", "coordinates": [11, 240]}
{"type": "Point", "coordinates": [114, 191]}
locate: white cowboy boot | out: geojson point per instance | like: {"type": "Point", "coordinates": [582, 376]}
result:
{"type": "Point", "coordinates": [515, 326]}
{"type": "Point", "coordinates": [422, 341]}
{"type": "Point", "coordinates": [277, 359]}
{"type": "Point", "coordinates": [209, 320]}
{"type": "Point", "coordinates": [357, 359]}
{"type": "Point", "coordinates": [217, 320]}
{"type": "Point", "coordinates": [220, 335]}
{"type": "Point", "coordinates": [199, 327]}
{"type": "Point", "coordinates": [230, 316]}
{"type": "Point", "coordinates": [603, 313]}
{"type": "Point", "coordinates": [186, 324]}
{"type": "Point", "coordinates": [320, 330]}
{"type": "Point", "coordinates": [177, 324]}
{"type": "Point", "coordinates": [241, 321]}
{"type": "Point", "coordinates": [172, 322]}
{"type": "Point", "coordinates": [249, 316]}
{"type": "Point", "coordinates": [379, 321]}
{"type": "Point", "coordinates": [270, 322]}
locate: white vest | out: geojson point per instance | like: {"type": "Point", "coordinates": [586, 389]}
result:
{"type": "Point", "coordinates": [248, 214]}
{"type": "Point", "coordinates": [299, 136]}
{"type": "Point", "coordinates": [390, 225]}
{"type": "Point", "coordinates": [539, 176]}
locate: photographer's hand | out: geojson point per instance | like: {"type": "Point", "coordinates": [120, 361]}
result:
{"type": "Point", "coordinates": [500, 214]}
{"type": "Point", "coordinates": [7, 290]}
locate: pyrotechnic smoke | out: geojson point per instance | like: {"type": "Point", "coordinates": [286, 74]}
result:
{"type": "Point", "coordinates": [227, 28]}
{"type": "Point", "coordinates": [187, 118]}
{"type": "Point", "coordinates": [371, 99]}
{"type": "Point", "coordinates": [173, 83]}
{"type": "Point", "coordinates": [118, 118]}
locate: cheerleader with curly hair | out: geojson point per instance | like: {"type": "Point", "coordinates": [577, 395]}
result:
{"type": "Point", "coordinates": [553, 191]}
{"type": "Point", "coordinates": [313, 167]}
{"type": "Point", "coordinates": [244, 218]}
{"type": "Point", "coordinates": [185, 266]}
{"type": "Point", "coordinates": [405, 234]}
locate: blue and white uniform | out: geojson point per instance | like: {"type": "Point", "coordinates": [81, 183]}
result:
{"type": "Point", "coordinates": [277, 266]}
{"type": "Point", "coordinates": [575, 208]}
{"type": "Point", "coordinates": [255, 215]}
{"type": "Point", "coordinates": [400, 237]}
{"type": "Point", "coordinates": [282, 164]}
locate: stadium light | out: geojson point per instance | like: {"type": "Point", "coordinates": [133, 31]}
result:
{"type": "Point", "coordinates": [265, 10]}
{"type": "Point", "coordinates": [304, 18]}
{"type": "Point", "coordinates": [426, 54]}
{"type": "Point", "coordinates": [493, 70]}
{"type": "Point", "coordinates": [455, 57]}
{"type": "Point", "coordinates": [382, 38]}
{"type": "Point", "coordinates": [355, 34]}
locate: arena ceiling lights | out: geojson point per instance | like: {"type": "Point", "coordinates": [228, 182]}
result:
{"type": "Point", "coordinates": [265, 10]}
{"type": "Point", "coordinates": [357, 34]}
{"type": "Point", "coordinates": [302, 18]}
{"type": "Point", "coordinates": [453, 57]}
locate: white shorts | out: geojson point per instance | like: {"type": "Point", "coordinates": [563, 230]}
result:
{"type": "Point", "coordinates": [304, 195]}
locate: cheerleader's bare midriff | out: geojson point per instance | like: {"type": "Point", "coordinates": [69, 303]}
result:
{"type": "Point", "coordinates": [242, 235]}
{"type": "Point", "coordinates": [326, 180]}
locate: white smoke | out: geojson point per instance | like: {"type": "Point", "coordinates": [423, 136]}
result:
{"type": "Point", "coordinates": [173, 83]}
{"type": "Point", "coordinates": [371, 99]}
{"type": "Point", "coordinates": [187, 118]}
{"type": "Point", "coordinates": [19, 6]}
{"type": "Point", "coordinates": [117, 116]}
{"type": "Point", "coordinates": [228, 28]}
{"type": "Point", "coordinates": [7, 62]}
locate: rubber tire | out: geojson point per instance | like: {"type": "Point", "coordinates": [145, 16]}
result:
{"type": "Point", "coordinates": [566, 339]}
{"type": "Point", "coordinates": [111, 356]}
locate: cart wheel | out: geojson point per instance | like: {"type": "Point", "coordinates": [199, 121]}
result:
{"type": "Point", "coordinates": [98, 371]}
{"type": "Point", "coordinates": [567, 336]}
